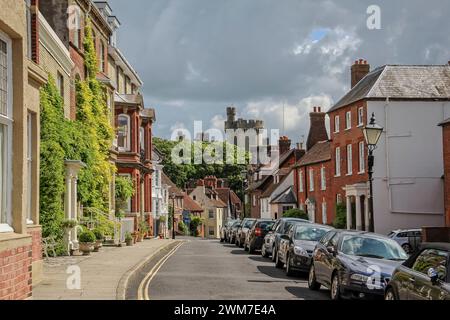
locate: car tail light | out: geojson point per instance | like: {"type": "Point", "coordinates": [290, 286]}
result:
{"type": "Point", "coordinates": [258, 232]}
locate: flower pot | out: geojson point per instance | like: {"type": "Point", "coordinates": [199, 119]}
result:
{"type": "Point", "coordinates": [98, 244]}
{"type": "Point", "coordinates": [87, 248]}
{"type": "Point", "coordinates": [129, 242]}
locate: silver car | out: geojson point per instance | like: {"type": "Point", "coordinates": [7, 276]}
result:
{"type": "Point", "coordinates": [410, 239]}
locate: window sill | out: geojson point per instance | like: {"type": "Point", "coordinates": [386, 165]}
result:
{"type": "Point", "coordinates": [362, 172]}
{"type": "Point", "coordinates": [11, 240]}
{"type": "Point", "coordinates": [349, 174]}
{"type": "Point", "coordinates": [337, 176]}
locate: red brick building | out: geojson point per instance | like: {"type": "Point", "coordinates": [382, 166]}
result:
{"type": "Point", "coordinates": [446, 140]}
{"type": "Point", "coordinates": [349, 153]}
{"type": "Point", "coordinates": [263, 177]}
{"type": "Point", "coordinates": [313, 173]}
{"type": "Point", "coordinates": [134, 125]}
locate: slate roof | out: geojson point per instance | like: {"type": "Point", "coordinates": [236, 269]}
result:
{"type": "Point", "coordinates": [321, 152]}
{"type": "Point", "coordinates": [415, 82]}
{"type": "Point", "coordinates": [131, 99]}
{"type": "Point", "coordinates": [286, 197]}
{"type": "Point", "coordinates": [445, 122]}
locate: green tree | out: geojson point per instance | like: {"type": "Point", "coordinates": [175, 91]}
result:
{"type": "Point", "coordinates": [296, 213]}
{"type": "Point", "coordinates": [340, 222]}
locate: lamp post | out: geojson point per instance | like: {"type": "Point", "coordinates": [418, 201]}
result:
{"type": "Point", "coordinates": [372, 133]}
{"type": "Point", "coordinates": [244, 179]}
{"type": "Point", "coordinates": [172, 196]}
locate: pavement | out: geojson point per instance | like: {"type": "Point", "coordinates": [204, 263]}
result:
{"type": "Point", "coordinates": [103, 275]}
{"type": "Point", "coordinates": [208, 270]}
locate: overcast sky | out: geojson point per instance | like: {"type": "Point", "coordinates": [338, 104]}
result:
{"type": "Point", "coordinates": [196, 57]}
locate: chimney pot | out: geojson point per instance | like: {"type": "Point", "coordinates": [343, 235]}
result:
{"type": "Point", "coordinates": [358, 71]}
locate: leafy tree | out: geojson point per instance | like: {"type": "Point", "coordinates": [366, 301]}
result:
{"type": "Point", "coordinates": [340, 222]}
{"type": "Point", "coordinates": [196, 221]}
{"type": "Point", "coordinates": [180, 174]}
{"type": "Point", "coordinates": [296, 213]}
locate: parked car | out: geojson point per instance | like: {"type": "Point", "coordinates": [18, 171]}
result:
{"type": "Point", "coordinates": [246, 224]}
{"type": "Point", "coordinates": [224, 230]}
{"type": "Point", "coordinates": [424, 276]}
{"type": "Point", "coordinates": [297, 247]}
{"type": "Point", "coordinates": [255, 236]}
{"type": "Point", "coordinates": [410, 240]}
{"type": "Point", "coordinates": [354, 264]}
{"type": "Point", "coordinates": [272, 239]}
{"type": "Point", "coordinates": [232, 232]}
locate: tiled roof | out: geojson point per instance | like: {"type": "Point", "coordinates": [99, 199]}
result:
{"type": "Point", "coordinates": [286, 197]}
{"type": "Point", "coordinates": [234, 198]}
{"type": "Point", "coordinates": [284, 173]}
{"type": "Point", "coordinates": [190, 205]}
{"type": "Point", "coordinates": [173, 188]}
{"type": "Point", "coordinates": [401, 82]}
{"type": "Point", "coordinates": [148, 113]}
{"type": "Point", "coordinates": [321, 152]}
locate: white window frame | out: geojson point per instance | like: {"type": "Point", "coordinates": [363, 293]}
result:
{"type": "Point", "coordinates": [7, 122]}
{"type": "Point", "coordinates": [311, 180]}
{"type": "Point", "coordinates": [362, 157]}
{"type": "Point", "coordinates": [301, 183]}
{"type": "Point", "coordinates": [128, 175]}
{"type": "Point", "coordinates": [337, 124]}
{"type": "Point", "coordinates": [127, 146]}
{"type": "Point", "coordinates": [323, 179]}
{"type": "Point", "coordinates": [348, 120]}
{"type": "Point", "coordinates": [102, 61]}
{"type": "Point", "coordinates": [254, 200]}
{"type": "Point", "coordinates": [338, 162]}
{"type": "Point", "coordinates": [30, 171]}
{"type": "Point", "coordinates": [349, 160]}
{"type": "Point", "coordinates": [360, 117]}
{"type": "Point", "coordinates": [324, 212]}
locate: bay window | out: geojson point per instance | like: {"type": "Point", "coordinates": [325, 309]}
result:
{"type": "Point", "coordinates": [124, 133]}
{"type": "Point", "coordinates": [5, 132]}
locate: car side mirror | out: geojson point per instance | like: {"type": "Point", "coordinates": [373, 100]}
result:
{"type": "Point", "coordinates": [331, 250]}
{"type": "Point", "coordinates": [433, 275]}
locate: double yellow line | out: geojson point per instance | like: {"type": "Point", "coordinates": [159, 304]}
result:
{"type": "Point", "coordinates": [145, 284]}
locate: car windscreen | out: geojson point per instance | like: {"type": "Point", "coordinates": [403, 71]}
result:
{"type": "Point", "coordinates": [248, 223]}
{"type": "Point", "coordinates": [372, 248]}
{"type": "Point", "coordinates": [265, 225]}
{"type": "Point", "coordinates": [308, 233]}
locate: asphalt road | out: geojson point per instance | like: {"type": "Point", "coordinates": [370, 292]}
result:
{"type": "Point", "coordinates": [209, 270]}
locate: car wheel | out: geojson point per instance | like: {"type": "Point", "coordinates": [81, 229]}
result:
{"type": "Point", "coordinates": [237, 243]}
{"type": "Point", "coordinates": [222, 240]}
{"type": "Point", "coordinates": [390, 295]}
{"type": "Point", "coordinates": [335, 288]}
{"type": "Point", "coordinates": [289, 271]}
{"type": "Point", "coordinates": [312, 281]}
{"type": "Point", "coordinates": [264, 252]}
{"type": "Point", "coordinates": [407, 248]}
{"type": "Point", "coordinates": [278, 263]}
{"type": "Point", "coordinates": [274, 253]}
{"type": "Point", "coordinates": [251, 249]}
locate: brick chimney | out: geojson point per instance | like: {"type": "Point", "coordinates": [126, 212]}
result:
{"type": "Point", "coordinates": [317, 131]}
{"type": "Point", "coordinates": [211, 182]}
{"type": "Point", "coordinates": [284, 145]}
{"type": "Point", "coordinates": [359, 70]}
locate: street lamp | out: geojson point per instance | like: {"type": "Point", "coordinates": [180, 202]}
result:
{"type": "Point", "coordinates": [244, 178]}
{"type": "Point", "coordinates": [372, 134]}
{"type": "Point", "coordinates": [172, 196]}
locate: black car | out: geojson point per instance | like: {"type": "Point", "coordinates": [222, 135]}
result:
{"type": "Point", "coordinates": [425, 276]}
{"type": "Point", "coordinates": [354, 264]}
{"type": "Point", "coordinates": [272, 239]}
{"type": "Point", "coordinates": [255, 237]}
{"type": "Point", "coordinates": [232, 231]}
{"type": "Point", "coordinates": [297, 247]}
{"type": "Point", "coordinates": [245, 226]}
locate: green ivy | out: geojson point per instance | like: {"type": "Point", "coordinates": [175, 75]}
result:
{"type": "Point", "coordinates": [88, 138]}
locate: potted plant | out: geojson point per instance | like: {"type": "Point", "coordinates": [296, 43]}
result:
{"type": "Point", "coordinates": [143, 230]}
{"type": "Point", "coordinates": [100, 237]}
{"type": "Point", "coordinates": [128, 239]}
{"type": "Point", "coordinates": [87, 242]}
{"type": "Point", "coordinates": [135, 236]}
